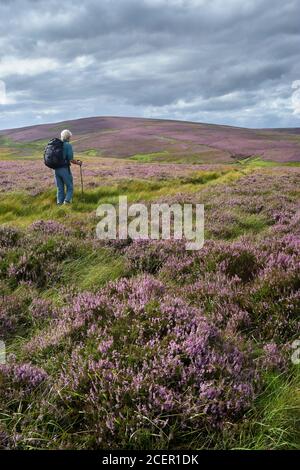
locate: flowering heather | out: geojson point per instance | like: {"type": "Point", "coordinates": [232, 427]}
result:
{"type": "Point", "coordinates": [184, 344]}
{"type": "Point", "coordinates": [8, 237]}
{"type": "Point", "coordinates": [238, 259]}
{"type": "Point", "coordinates": [42, 309]}
{"type": "Point", "coordinates": [23, 377]}
{"type": "Point", "coordinates": [37, 261]}
{"type": "Point", "coordinates": [150, 256]}
{"type": "Point", "coordinates": [272, 356]}
{"type": "Point", "coordinates": [50, 227]}
{"type": "Point", "coordinates": [155, 354]}
{"type": "Point", "coordinates": [8, 442]}
{"type": "Point", "coordinates": [14, 318]}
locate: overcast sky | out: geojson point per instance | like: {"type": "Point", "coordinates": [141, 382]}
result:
{"type": "Point", "coordinates": [233, 62]}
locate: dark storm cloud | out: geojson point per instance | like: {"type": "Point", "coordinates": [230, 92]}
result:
{"type": "Point", "coordinates": [232, 62]}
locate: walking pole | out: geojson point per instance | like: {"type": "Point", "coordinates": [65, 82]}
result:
{"type": "Point", "coordinates": [81, 179]}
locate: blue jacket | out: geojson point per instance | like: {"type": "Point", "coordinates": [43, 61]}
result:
{"type": "Point", "coordinates": [68, 151]}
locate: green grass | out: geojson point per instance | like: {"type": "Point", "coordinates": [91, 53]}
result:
{"type": "Point", "coordinates": [249, 224]}
{"type": "Point", "coordinates": [32, 145]}
{"type": "Point", "coordinates": [91, 271]}
{"type": "Point", "coordinates": [22, 209]}
{"type": "Point", "coordinates": [92, 153]}
{"type": "Point", "coordinates": [148, 157]}
{"type": "Point", "coordinates": [275, 422]}
{"type": "Point", "coordinates": [12, 150]}
{"type": "Point", "coordinates": [256, 161]}
{"type": "Point", "coordinates": [203, 157]}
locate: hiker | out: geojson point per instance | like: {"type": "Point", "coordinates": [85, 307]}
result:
{"type": "Point", "coordinates": [59, 156]}
{"type": "Point", "coordinates": [63, 175]}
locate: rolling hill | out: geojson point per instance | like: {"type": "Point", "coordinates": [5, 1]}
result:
{"type": "Point", "coordinates": [159, 140]}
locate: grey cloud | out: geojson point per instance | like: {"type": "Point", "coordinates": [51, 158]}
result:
{"type": "Point", "coordinates": [148, 56]}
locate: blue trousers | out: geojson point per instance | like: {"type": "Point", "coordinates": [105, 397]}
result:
{"type": "Point", "coordinates": [64, 179]}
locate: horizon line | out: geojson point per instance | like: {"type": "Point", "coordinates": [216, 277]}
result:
{"type": "Point", "coordinates": [143, 118]}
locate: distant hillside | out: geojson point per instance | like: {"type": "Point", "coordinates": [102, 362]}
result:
{"type": "Point", "coordinates": [155, 139]}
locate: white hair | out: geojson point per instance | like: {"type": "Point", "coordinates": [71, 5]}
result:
{"type": "Point", "coordinates": [65, 134]}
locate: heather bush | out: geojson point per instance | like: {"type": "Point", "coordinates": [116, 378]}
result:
{"type": "Point", "coordinates": [273, 357]}
{"type": "Point", "coordinates": [42, 309]}
{"type": "Point", "coordinates": [9, 441]}
{"type": "Point", "coordinates": [39, 262]}
{"type": "Point", "coordinates": [8, 237]}
{"type": "Point", "coordinates": [143, 357]}
{"type": "Point", "coordinates": [157, 361]}
{"type": "Point", "coordinates": [149, 256]}
{"type": "Point", "coordinates": [181, 269]}
{"type": "Point", "coordinates": [18, 381]}
{"type": "Point", "coordinates": [240, 259]}
{"type": "Point", "coordinates": [4, 440]}
{"type": "Point", "coordinates": [117, 245]}
{"type": "Point", "coordinates": [275, 311]}
{"type": "Point", "coordinates": [13, 315]}
{"type": "Point", "coordinates": [214, 288]}
{"type": "Point", "coordinates": [50, 227]}
{"type": "Point", "coordinates": [230, 317]}
{"type": "Point", "coordinates": [236, 259]}
{"type": "Point", "coordinates": [221, 224]}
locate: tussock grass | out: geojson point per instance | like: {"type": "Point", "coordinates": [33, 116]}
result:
{"type": "Point", "coordinates": [91, 271]}
{"type": "Point", "coordinates": [275, 422]}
